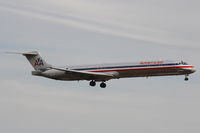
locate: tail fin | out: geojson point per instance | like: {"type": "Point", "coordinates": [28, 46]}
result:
{"type": "Point", "coordinates": [35, 60]}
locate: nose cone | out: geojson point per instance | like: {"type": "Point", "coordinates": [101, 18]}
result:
{"type": "Point", "coordinates": [193, 70]}
{"type": "Point", "coordinates": [190, 69]}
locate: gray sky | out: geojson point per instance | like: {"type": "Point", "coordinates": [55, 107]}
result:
{"type": "Point", "coordinates": [95, 31]}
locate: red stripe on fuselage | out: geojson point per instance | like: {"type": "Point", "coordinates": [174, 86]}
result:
{"type": "Point", "coordinates": [151, 68]}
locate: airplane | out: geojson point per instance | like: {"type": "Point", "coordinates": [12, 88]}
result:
{"type": "Point", "coordinates": [104, 72]}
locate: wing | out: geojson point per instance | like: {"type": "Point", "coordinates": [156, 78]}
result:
{"type": "Point", "coordinates": [83, 75]}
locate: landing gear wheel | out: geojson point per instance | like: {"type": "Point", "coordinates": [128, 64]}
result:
{"type": "Point", "coordinates": [92, 83]}
{"type": "Point", "coordinates": [103, 85]}
{"type": "Point", "coordinates": [186, 78]}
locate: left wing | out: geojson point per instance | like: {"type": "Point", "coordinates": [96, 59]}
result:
{"type": "Point", "coordinates": [87, 75]}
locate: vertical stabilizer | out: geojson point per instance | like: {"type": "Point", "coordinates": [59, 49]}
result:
{"type": "Point", "coordinates": [36, 61]}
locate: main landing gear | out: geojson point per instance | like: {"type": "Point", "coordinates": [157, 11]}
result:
{"type": "Point", "coordinates": [102, 85]}
{"type": "Point", "coordinates": [92, 83]}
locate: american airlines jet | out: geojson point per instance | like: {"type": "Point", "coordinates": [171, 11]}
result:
{"type": "Point", "coordinates": [104, 72]}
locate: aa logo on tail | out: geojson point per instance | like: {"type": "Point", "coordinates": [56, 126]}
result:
{"type": "Point", "coordinates": [39, 62]}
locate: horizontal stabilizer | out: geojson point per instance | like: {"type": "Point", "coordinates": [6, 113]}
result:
{"type": "Point", "coordinates": [27, 53]}
{"type": "Point", "coordinates": [35, 60]}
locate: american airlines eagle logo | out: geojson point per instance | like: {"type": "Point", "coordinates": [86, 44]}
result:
{"type": "Point", "coordinates": [39, 62]}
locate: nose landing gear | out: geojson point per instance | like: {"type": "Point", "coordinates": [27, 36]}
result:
{"type": "Point", "coordinates": [186, 78]}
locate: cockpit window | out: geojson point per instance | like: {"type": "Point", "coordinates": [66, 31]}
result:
{"type": "Point", "coordinates": [183, 63]}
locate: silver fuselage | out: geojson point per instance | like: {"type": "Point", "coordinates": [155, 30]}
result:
{"type": "Point", "coordinates": [122, 70]}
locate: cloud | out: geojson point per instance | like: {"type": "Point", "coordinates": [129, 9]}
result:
{"type": "Point", "coordinates": [120, 29]}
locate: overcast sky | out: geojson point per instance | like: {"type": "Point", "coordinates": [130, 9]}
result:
{"type": "Point", "coordinates": [75, 32]}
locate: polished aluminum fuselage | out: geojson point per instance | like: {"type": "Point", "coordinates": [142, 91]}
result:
{"type": "Point", "coordinates": [123, 70]}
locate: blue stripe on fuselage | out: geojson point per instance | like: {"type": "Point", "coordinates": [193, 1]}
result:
{"type": "Point", "coordinates": [120, 67]}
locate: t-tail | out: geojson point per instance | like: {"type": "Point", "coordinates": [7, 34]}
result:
{"type": "Point", "coordinates": [35, 60]}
